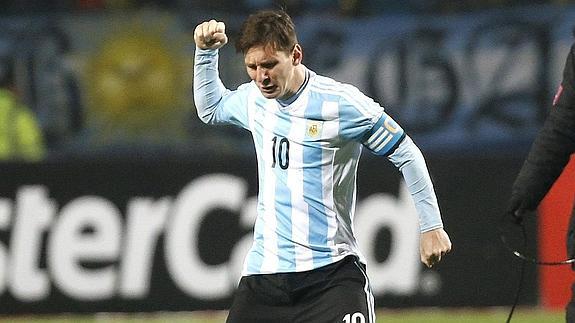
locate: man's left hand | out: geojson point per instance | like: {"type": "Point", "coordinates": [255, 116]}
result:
{"type": "Point", "coordinates": [433, 245]}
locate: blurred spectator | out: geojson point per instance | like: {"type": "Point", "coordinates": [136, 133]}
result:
{"type": "Point", "coordinates": [294, 7]}
{"type": "Point", "coordinates": [453, 6]}
{"type": "Point", "coordinates": [34, 6]}
{"type": "Point", "coordinates": [20, 135]}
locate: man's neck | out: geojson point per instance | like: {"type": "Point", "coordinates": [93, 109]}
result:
{"type": "Point", "coordinates": [301, 76]}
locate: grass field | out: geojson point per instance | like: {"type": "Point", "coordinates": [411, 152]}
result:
{"type": "Point", "coordinates": [488, 315]}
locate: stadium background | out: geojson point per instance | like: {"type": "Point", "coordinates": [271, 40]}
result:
{"type": "Point", "coordinates": [124, 211]}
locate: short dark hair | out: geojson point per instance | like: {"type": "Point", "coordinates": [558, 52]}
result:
{"type": "Point", "coordinates": [272, 29]}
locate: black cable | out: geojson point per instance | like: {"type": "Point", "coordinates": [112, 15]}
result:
{"type": "Point", "coordinates": [524, 260]}
{"type": "Point", "coordinates": [532, 260]}
{"type": "Point", "coordinates": [521, 274]}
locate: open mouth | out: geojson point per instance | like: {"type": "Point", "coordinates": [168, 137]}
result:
{"type": "Point", "coordinates": [268, 89]}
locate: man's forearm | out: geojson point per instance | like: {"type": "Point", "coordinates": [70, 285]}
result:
{"type": "Point", "coordinates": [208, 88]}
{"type": "Point", "coordinates": [412, 165]}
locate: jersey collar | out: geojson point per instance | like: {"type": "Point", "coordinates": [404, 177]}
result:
{"type": "Point", "coordinates": [291, 99]}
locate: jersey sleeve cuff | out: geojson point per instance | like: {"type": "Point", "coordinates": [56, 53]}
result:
{"type": "Point", "coordinates": [430, 228]}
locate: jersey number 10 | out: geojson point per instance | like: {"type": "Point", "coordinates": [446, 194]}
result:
{"type": "Point", "coordinates": [281, 150]}
{"type": "Point", "coordinates": [355, 318]}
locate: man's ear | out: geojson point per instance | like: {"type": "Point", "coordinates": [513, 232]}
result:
{"type": "Point", "coordinates": [297, 54]}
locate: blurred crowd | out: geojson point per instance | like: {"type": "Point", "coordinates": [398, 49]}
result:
{"type": "Point", "coordinates": [75, 84]}
{"type": "Point", "coordinates": [295, 7]}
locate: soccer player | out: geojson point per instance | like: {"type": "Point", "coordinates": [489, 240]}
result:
{"type": "Point", "coordinates": [547, 158]}
{"type": "Point", "coordinates": [308, 130]}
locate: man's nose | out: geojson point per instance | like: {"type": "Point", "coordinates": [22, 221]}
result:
{"type": "Point", "coordinates": [262, 76]}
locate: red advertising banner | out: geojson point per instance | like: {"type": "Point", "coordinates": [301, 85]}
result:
{"type": "Point", "coordinates": [555, 281]}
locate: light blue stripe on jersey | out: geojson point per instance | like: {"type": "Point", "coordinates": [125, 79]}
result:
{"type": "Point", "coordinates": [283, 207]}
{"type": "Point", "coordinates": [313, 192]}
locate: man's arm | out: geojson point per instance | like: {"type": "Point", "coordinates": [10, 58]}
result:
{"type": "Point", "coordinates": [434, 241]}
{"type": "Point", "coordinates": [410, 161]}
{"type": "Point", "coordinates": [387, 138]}
{"type": "Point", "coordinates": [209, 36]}
{"type": "Point", "coordinates": [208, 88]}
{"type": "Point", "coordinates": [551, 149]}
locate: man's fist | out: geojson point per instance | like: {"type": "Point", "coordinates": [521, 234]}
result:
{"type": "Point", "coordinates": [210, 35]}
{"type": "Point", "coordinates": [433, 245]}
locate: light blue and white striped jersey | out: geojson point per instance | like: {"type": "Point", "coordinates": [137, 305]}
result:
{"type": "Point", "coordinates": [308, 151]}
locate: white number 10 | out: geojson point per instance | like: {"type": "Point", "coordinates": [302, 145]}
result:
{"type": "Point", "coordinates": [355, 318]}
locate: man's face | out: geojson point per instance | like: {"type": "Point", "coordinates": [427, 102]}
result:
{"type": "Point", "coordinates": [273, 71]}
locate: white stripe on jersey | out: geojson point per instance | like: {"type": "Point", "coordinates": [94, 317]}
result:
{"type": "Point", "coordinates": [270, 243]}
{"type": "Point", "coordinates": [329, 111]}
{"type": "Point", "coordinates": [252, 117]}
{"type": "Point", "coordinates": [251, 113]}
{"type": "Point", "coordinates": [300, 215]}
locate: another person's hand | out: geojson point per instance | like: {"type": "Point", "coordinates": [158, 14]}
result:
{"type": "Point", "coordinates": [515, 212]}
{"type": "Point", "coordinates": [433, 245]}
{"type": "Point", "coordinates": [210, 35]}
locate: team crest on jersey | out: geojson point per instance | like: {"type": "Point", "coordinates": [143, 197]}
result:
{"type": "Point", "coordinates": [313, 129]}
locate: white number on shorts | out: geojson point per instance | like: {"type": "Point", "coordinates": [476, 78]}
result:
{"type": "Point", "coordinates": [355, 318]}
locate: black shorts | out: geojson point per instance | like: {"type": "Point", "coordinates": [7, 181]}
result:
{"type": "Point", "coordinates": [338, 292]}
